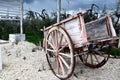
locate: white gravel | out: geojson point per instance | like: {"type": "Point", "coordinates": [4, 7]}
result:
{"type": "Point", "coordinates": [20, 63]}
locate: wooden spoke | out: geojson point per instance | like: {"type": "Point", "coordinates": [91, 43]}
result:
{"type": "Point", "coordinates": [61, 65]}
{"type": "Point", "coordinates": [58, 47]}
{"type": "Point", "coordinates": [65, 63]}
{"type": "Point", "coordinates": [56, 39]}
{"type": "Point", "coordinates": [51, 36]}
{"type": "Point", "coordinates": [63, 47]}
{"type": "Point", "coordinates": [96, 58]}
{"type": "Point", "coordinates": [61, 38]}
{"type": "Point", "coordinates": [58, 66]}
{"type": "Point", "coordinates": [86, 58]}
{"type": "Point", "coordinates": [50, 50]}
{"type": "Point", "coordinates": [50, 44]}
{"type": "Point", "coordinates": [91, 58]}
{"type": "Point", "coordinates": [64, 54]}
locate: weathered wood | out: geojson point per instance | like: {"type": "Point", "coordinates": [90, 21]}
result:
{"type": "Point", "coordinates": [97, 29]}
{"type": "Point", "coordinates": [76, 30]}
{"type": "Point", "coordinates": [81, 33]}
{"type": "Point", "coordinates": [119, 43]}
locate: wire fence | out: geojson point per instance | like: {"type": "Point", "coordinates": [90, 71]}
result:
{"type": "Point", "coordinates": [10, 10]}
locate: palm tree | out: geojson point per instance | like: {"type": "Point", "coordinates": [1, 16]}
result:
{"type": "Point", "coordinates": [104, 11]}
{"type": "Point", "coordinates": [43, 15]}
{"type": "Point", "coordinates": [30, 15]}
{"type": "Point", "coordinates": [92, 13]}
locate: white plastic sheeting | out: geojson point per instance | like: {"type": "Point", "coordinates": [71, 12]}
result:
{"type": "Point", "coordinates": [14, 38]}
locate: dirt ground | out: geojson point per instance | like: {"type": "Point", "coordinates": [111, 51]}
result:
{"type": "Point", "coordinates": [20, 63]}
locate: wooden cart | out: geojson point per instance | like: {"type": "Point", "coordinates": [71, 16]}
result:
{"type": "Point", "coordinates": [71, 37]}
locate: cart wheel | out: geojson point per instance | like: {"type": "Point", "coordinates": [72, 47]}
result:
{"type": "Point", "coordinates": [59, 53]}
{"type": "Point", "coordinates": [95, 59]}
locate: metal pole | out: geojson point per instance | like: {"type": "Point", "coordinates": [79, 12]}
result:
{"type": "Point", "coordinates": [21, 16]}
{"type": "Point", "coordinates": [118, 6]}
{"type": "Point", "coordinates": [58, 10]}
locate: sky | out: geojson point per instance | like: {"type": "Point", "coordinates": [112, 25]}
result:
{"type": "Point", "coordinates": [51, 5]}
{"type": "Point", "coordinates": [75, 5]}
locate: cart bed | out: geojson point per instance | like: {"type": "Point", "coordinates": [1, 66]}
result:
{"type": "Point", "coordinates": [82, 33]}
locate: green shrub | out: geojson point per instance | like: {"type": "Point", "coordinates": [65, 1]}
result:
{"type": "Point", "coordinates": [34, 37]}
{"type": "Point", "coordinates": [114, 51]}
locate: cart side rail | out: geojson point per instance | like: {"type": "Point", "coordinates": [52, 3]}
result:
{"type": "Point", "coordinates": [100, 28]}
{"type": "Point", "coordinates": [75, 27]}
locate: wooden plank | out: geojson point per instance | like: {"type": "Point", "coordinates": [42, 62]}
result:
{"type": "Point", "coordinates": [76, 30]}
{"type": "Point", "coordinates": [79, 32]}
{"type": "Point", "coordinates": [111, 26]}
{"type": "Point", "coordinates": [97, 29]}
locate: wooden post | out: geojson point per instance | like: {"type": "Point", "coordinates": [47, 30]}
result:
{"type": "Point", "coordinates": [119, 43]}
{"type": "Point", "coordinates": [58, 10]}
{"type": "Point", "coordinates": [0, 60]}
{"type": "Point", "coordinates": [21, 18]}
